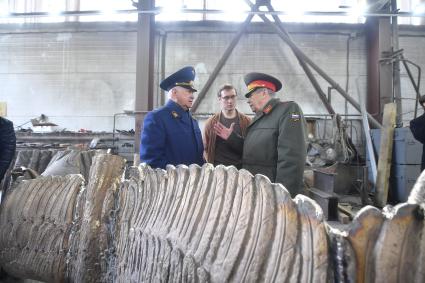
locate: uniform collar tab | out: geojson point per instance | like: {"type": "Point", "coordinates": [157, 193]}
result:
{"type": "Point", "coordinates": [268, 108]}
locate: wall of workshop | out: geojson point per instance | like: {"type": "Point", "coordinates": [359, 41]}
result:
{"type": "Point", "coordinates": [81, 75]}
{"type": "Point", "coordinates": [79, 79]}
{"type": "Point", "coordinates": [411, 42]}
{"type": "Point", "coordinates": [268, 53]}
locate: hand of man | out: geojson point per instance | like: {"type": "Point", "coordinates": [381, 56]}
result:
{"type": "Point", "coordinates": [222, 131]}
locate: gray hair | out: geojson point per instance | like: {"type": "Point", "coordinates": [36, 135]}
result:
{"type": "Point", "coordinates": [168, 93]}
{"type": "Point", "coordinates": [171, 90]}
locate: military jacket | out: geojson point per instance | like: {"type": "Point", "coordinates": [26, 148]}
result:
{"type": "Point", "coordinates": [417, 126]}
{"type": "Point", "coordinates": [7, 145]}
{"type": "Point", "coordinates": [171, 136]}
{"type": "Point", "coordinates": [275, 144]}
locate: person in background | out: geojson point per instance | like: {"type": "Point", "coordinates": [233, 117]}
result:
{"type": "Point", "coordinates": [417, 126]}
{"type": "Point", "coordinates": [7, 145]}
{"type": "Point", "coordinates": [275, 142]}
{"type": "Point", "coordinates": [217, 150]}
{"type": "Point", "coordinates": [170, 134]}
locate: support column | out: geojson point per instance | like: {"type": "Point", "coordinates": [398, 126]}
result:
{"type": "Point", "coordinates": [385, 67]}
{"type": "Point", "coordinates": [396, 66]}
{"type": "Point", "coordinates": [372, 46]}
{"type": "Point", "coordinates": [144, 70]}
{"type": "Point", "coordinates": [379, 63]}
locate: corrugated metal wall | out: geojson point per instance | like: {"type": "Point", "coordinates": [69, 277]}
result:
{"type": "Point", "coordinates": [80, 75]}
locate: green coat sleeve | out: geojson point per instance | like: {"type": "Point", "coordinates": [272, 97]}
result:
{"type": "Point", "coordinates": [291, 149]}
{"type": "Point", "coordinates": [236, 142]}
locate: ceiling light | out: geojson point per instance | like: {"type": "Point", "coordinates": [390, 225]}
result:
{"type": "Point", "coordinates": [419, 9]}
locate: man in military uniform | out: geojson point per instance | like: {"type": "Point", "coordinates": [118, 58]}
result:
{"type": "Point", "coordinates": [217, 150]}
{"type": "Point", "coordinates": [417, 126]}
{"type": "Point", "coordinates": [170, 134]}
{"type": "Point", "coordinates": [275, 144]}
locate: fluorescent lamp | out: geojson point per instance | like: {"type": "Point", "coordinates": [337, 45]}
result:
{"type": "Point", "coordinates": [419, 9]}
{"type": "Point", "coordinates": [171, 11]}
{"type": "Point", "coordinates": [233, 11]}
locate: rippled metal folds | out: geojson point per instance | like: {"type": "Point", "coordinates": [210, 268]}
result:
{"type": "Point", "coordinates": [193, 224]}
{"type": "Point", "coordinates": [36, 221]}
{"type": "Point", "coordinates": [197, 224]}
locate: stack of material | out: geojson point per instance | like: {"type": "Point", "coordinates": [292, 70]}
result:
{"type": "Point", "coordinates": [34, 160]}
{"type": "Point", "coordinates": [29, 164]}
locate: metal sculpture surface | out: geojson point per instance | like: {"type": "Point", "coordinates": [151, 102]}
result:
{"type": "Point", "coordinates": [198, 224]}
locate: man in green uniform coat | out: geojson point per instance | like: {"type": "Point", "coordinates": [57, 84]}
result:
{"type": "Point", "coordinates": [275, 143]}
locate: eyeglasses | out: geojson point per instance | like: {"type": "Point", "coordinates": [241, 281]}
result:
{"type": "Point", "coordinates": [230, 97]}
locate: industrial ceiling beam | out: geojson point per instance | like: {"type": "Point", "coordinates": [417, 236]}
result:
{"type": "Point", "coordinates": [305, 67]}
{"type": "Point", "coordinates": [156, 11]}
{"type": "Point", "coordinates": [232, 45]}
{"type": "Point", "coordinates": [322, 73]}
{"type": "Point", "coordinates": [221, 62]}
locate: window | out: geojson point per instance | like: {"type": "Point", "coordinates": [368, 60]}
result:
{"type": "Point", "coordinates": [335, 11]}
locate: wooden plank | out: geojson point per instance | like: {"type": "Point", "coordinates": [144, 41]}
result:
{"type": "Point", "coordinates": [369, 144]}
{"type": "Point", "coordinates": [385, 154]}
{"type": "Point", "coordinates": [3, 109]}
{"type": "Point", "coordinates": [347, 210]}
